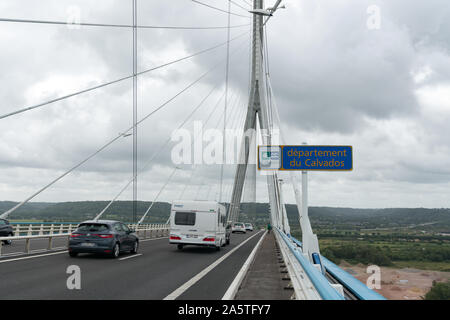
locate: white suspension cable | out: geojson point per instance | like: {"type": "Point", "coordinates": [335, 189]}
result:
{"type": "Point", "coordinates": [8, 212]}
{"type": "Point", "coordinates": [227, 71]}
{"type": "Point", "coordinates": [239, 6]}
{"type": "Point", "coordinates": [166, 143]}
{"type": "Point", "coordinates": [87, 24]}
{"type": "Point", "coordinates": [218, 9]}
{"type": "Point", "coordinates": [157, 196]}
{"type": "Point", "coordinates": [194, 167]}
{"type": "Point", "coordinates": [116, 81]}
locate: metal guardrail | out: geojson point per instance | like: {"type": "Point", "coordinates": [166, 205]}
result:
{"type": "Point", "coordinates": [54, 228]}
{"type": "Point", "coordinates": [52, 231]}
{"type": "Point", "coordinates": [321, 284]}
{"type": "Point", "coordinates": [356, 287]}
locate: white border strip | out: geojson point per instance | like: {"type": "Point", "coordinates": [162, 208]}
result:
{"type": "Point", "coordinates": [178, 292]}
{"type": "Point", "coordinates": [234, 287]}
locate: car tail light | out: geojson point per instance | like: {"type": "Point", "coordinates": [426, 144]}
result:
{"type": "Point", "coordinates": [175, 238]}
{"type": "Point", "coordinates": [74, 235]}
{"type": "Point", "coordinates": [105, 236]}
{"type": "Point", "coordinates": [209, 239]}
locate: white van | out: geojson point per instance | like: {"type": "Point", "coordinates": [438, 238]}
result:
{"type": "Point", "coordinates": [198, 223]}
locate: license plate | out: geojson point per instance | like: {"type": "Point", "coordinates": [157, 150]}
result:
{"type": "Point", "coordinates": [191, 236]}
{"type": "Point", "coordinates": [86, 244]}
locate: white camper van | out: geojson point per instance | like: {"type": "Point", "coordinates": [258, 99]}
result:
{"type": "Point", "coordinates": [198, 223]}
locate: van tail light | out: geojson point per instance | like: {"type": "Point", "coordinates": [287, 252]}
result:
{"type": "Point", "coordinates": [175, 238]}
{"type": "Point", "coordinates": [105, 236]}
{"type": "Point", "coordinates": [209, 239]}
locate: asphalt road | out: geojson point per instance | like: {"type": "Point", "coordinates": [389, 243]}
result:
{"type": "Point", "coordinates": [155, 272]}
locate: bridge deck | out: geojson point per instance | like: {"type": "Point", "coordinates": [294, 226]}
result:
{"type": "Point", "coordinates": [155, 272]}
{"type": "Point", "coordinates": [264, 280]}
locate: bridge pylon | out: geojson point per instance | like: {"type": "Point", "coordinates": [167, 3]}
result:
{"type": "Point", "coordinates": [257, 111]}
{"type": "Point", "coordinates": [260, 109]}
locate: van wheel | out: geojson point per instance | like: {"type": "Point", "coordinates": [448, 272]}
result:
{"type": "Point", "coordinates": [180, 247]}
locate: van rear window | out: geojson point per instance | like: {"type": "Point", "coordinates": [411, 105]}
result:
{"type": "Point", "coordinates": [184, 218]}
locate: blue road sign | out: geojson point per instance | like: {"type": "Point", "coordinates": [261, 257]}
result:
{"type": "Point", "coordinates": [326, 158]}
{"type": "Point", "coordinates": [305, 158]}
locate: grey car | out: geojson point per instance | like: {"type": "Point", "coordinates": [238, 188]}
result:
{"type": "Point", "coordinates": [6, 230]}
{"type": "Point", "coordinates": [103, 236]}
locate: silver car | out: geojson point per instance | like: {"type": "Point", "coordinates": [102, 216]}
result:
{"type": "Point", "coordinates": [238, 227]}
{"type": "Point", "coordinates": [248, 227]}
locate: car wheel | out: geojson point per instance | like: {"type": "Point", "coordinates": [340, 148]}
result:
{"type": "Point", "coordinates": [135, 247]}
{"type": "Point", "coordinates": [180, 247]}
{"type": "Point", "coordinates": [8, 242]}
{"type": "Point", "coordinates": [73, 254]}
{"type": "Point", "coordinates": [115, 251]}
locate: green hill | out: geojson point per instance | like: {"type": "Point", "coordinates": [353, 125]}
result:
{"type": "Point", "coordinates": [321, 217]}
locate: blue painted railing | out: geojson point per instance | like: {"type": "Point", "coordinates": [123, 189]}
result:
{"type": "Point", "coordinates": [323, 287]}
{"type": "Point", "coordinates": [356, 287]}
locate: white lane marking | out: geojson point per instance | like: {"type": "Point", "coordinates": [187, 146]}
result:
{"type": "Point", "coordinates": [153, 239]}
{"type": "Point", "coordinates": [129, 257]}
{"type": "Point", "coordinates": [175, 294]}
{"type": "Point", "coordinates": [32, 257]}
{"type": "Point", "coordinates": [234, 286]}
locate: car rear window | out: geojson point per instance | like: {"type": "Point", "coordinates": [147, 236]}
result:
{"type": "Point", "coordinates": [184, 218]}
{"type": "Point", "coordinates": [238, 225]}
{"type": "Point", "coordinates": [93, 227]}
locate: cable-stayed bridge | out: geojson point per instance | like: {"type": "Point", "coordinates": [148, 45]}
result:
{"type": "Point", "coordinates": [260, 265]}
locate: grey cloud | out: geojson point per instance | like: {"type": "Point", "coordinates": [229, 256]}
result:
{"type": "Point", "coordinates": [332, 78]}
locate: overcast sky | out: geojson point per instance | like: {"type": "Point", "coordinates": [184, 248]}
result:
{"type": "Point", "coordinates": [385, 91]}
